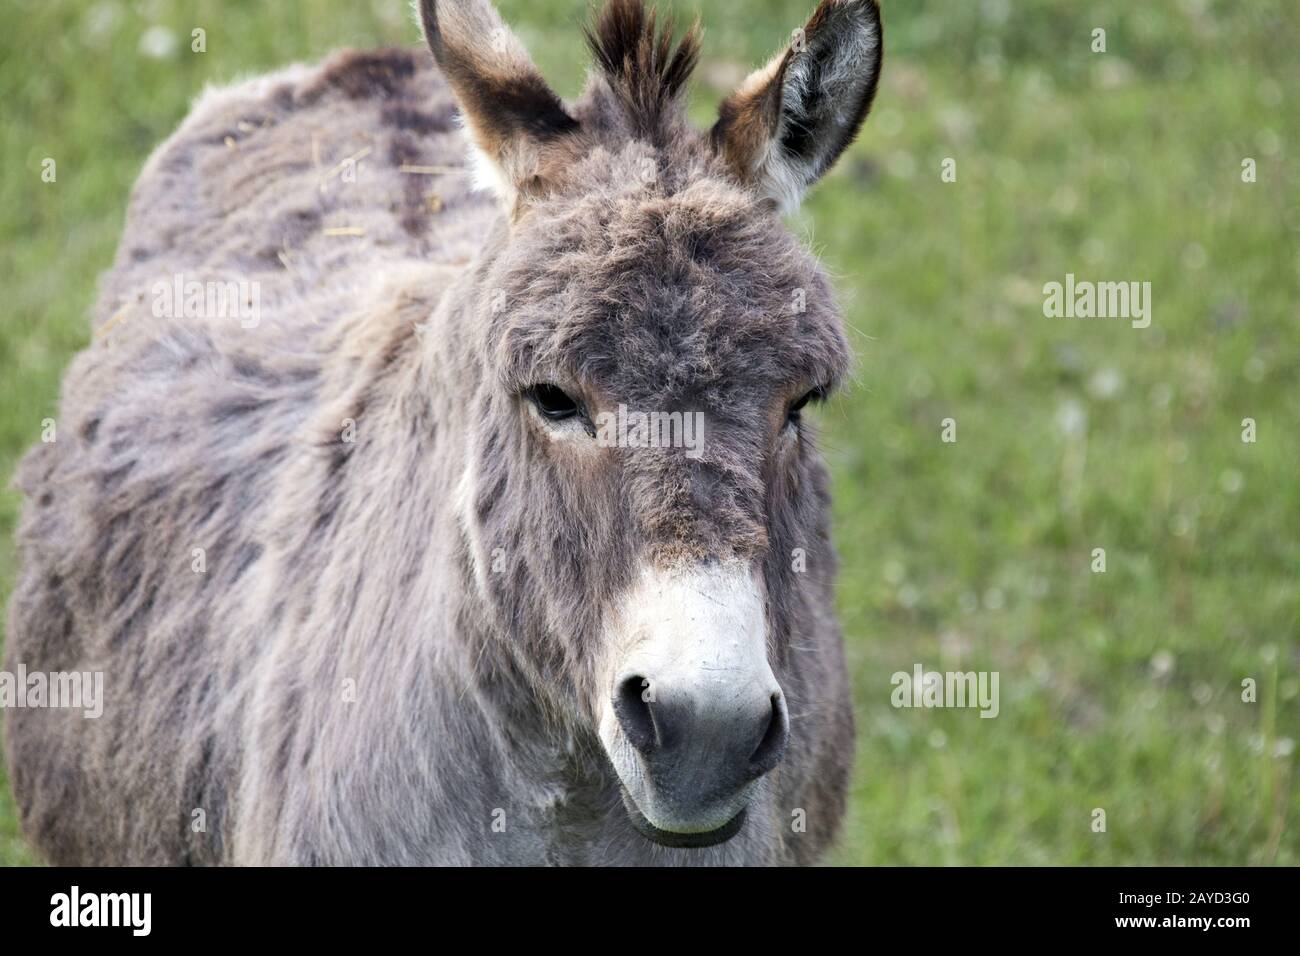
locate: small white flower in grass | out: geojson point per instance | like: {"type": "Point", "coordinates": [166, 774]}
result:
{"type": "Point", "coordinates": [1195, 256]}
{"type": "Point", "coordinates": [991, 62]}
{"type": "Point", "coordinates": [954, 645]}
{"type": "Point", "coordinates": [1037, 85]}
{"type": "Point", "coordinates": [894, 572]}
{"type": "Point", "coordinates": [1071, 418]}
{"type": "Point", "coordinates": [996, 11]}
{"type": "Point", "coordinates": [902, 164]}
{"type": "Point", "coordinates": [889, 123]}
{"type": "Point", "coordinates": [1093, 250]}
{"type": "Point", "coordinates": [1065, 200]}
{"type": "Point", "coordinates": [100, 20]}
{"type": "Point", "coordinates": [920, 385]}
{"type": "Point", "coordinates": [1106, 383]}
{"type": "Point", "coordinates": [938, 739]}
{"type": "Point", "coordinates": [956, 122]}
{"type": "Point", "coordinates": [1019, 291]}
{"type": "Point", "coordinates": [1270, 144]}
{"type": "Point", "coordinates": [1113, 72]}
{"type": "Point", "coordinates": [1162, 664]}
{"type": "Point", "coordinates": [1283, 747]}
{"type": "Point", "coordinates": [158, 43]}
{"type": "Point", "coordinates": [1231, 481]}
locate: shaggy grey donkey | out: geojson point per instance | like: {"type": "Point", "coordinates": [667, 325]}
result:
{"type": "Point", "coordinates": [412, 523]}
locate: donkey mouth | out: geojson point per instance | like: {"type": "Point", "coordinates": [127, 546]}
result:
{"type": "Point", "coordinates": [677, 840]}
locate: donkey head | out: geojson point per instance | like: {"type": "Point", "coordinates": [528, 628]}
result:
{"type": "Point", "coordinates": [640, 480]}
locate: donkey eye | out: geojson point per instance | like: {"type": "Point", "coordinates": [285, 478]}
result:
{"type": "Point", "coordinates": [552, 401]}
{"type": "Point", "coordinates": [816, 395]}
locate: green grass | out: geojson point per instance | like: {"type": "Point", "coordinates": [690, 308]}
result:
{"type": "Point", "coordinates": [1119, 690]}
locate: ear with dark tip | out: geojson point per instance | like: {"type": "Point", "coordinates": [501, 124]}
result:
{"type": "Point", "coordinates": [790, 120]}
{"type": "Point", "coordinates": [509, 110]}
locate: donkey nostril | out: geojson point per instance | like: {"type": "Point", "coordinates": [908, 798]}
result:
{"type": "Point", "coordinates": [632, 708]}
{"type": "Point", "coordinates": [772, 747]}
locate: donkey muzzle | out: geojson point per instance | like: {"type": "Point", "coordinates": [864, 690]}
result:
{"type": "Point", "coordinates": [695, 716]}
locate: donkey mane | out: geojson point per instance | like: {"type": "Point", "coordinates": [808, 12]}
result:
{"type": "Point", "coordinates": [639, 59]}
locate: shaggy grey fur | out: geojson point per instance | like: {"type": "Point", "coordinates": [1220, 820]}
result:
{"type": "Point", "coordinates": [377, 510]}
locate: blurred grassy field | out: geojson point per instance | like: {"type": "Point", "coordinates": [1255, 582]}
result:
{"type": "Point", "coordinates": [1119, 691]}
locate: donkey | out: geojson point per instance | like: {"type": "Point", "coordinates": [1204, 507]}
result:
{"type": "Point", "coordinates": [363, 581]}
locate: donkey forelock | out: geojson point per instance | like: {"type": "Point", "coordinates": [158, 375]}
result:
{"type": "Point", "coordinates": [640, 61]}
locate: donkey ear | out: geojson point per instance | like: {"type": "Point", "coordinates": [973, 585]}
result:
{"type": "Point", "coordinates": [789, 121]}
{"type": "Point", "coordinates": [509, 111]}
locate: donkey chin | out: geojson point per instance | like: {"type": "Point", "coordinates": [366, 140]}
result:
{"type": "Point", "coordinates": [694, 717]}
